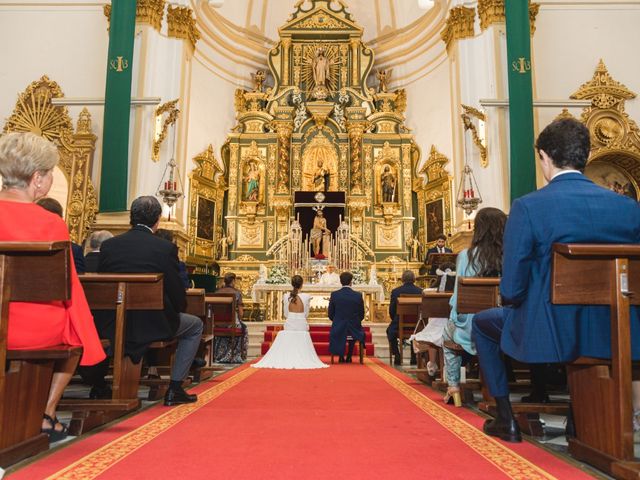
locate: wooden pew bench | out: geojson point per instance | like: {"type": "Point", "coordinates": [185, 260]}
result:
{"type": "Point", "coordinates": [29, 272]}
{"type": "Point", "coordinates": [120, 293]}
{"type": "Point", "coordinates": [600, 389]}
{"type": "Point", "coordinates": [408, 311]}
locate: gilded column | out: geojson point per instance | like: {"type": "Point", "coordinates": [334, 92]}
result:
{"type": "Point", "coordinates": [286, 47]}
{"type": "Point", "coordinates": [356, 130]}
{"type": "Point", "coordinates": [284, 130]}
{"type": "Point", "coordinates": [297, 60]}
{"type": "Point", "coordinates": [355, 67]}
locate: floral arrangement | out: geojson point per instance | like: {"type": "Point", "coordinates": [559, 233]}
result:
{"type": "Point", "coordinates": [278, 274]}
{"type": "Point", "coordinates": [359, 277]}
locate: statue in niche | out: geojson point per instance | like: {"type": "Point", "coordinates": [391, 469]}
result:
{"type": "Point", "coordinates": [321, 178]}
{"type": "Point", "coordinates": [383, 79]}
{"type": "Point", "coordinates": [319, 234]}
{"type": "Point", "coordinates": [252, 179]}
{"type": "Point", "coordinates": [224, 243]}
{"type": "Point", "coordinates": [389, 184]}
{"type": "Point", "coordinates": [414, 245]}
{"type": "Point", "coordinates": [320, 68]}
{"type": "Point", "coordinates": [258, 81]}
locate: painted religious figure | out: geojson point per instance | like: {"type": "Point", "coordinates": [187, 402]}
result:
{"type": "Point", "coordinates": [319, 234]}
{"type": "Point", "coordinates": [389, 184]}
{"type": "Point", "coordinates": [321, 178]}
{"type": "Point", "coordinates": [434, 217]}
{"type": "Point", "coordinates": [252, 179]}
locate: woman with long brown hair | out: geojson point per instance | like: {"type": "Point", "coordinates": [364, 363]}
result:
{"type": "Point", "coordinates": [292, 347]}
{"type": "Point", "coordinates": [482, 259]}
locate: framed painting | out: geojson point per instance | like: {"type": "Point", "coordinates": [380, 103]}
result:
{"type": "Point", "coordinates": [434, 215]}
{"type": "Point", "coordinates": [205, 227]}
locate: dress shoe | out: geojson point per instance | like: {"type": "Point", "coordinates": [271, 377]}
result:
{"type": "Point", "coordinates": [177, 396]}
{"type": "Point", "coordinates": [505, 429]}
{"type": "Point", "coordinates": [348, 359]}
{"type": "Point", "coordinates": [341, 359]}
{"type": "Point", "coordinates": [397, 362]}
{"type": "Point", "coordinates": [100, 393]}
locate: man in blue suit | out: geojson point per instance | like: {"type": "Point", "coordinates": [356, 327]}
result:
{"type": "Point", "coordinates": [346, 312]}
{"type": "Point", "coordinates": [407, 288]}
{"type": "Point", "coordinates": [570, 209]}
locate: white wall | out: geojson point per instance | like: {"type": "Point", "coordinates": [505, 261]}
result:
{"type": "Point", "coordinates": [65, 41]}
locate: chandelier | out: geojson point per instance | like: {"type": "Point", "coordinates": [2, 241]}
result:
{"type": "Point", "coordinates": [468, 193]}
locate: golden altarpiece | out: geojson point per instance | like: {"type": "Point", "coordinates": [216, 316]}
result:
{"type": "Point", "coordinates": [315, 112]}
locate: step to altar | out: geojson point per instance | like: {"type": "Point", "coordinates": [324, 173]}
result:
{"type": "Point", "coordinates": [378, 337]}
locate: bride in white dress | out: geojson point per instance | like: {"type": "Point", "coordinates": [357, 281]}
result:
{"type": "Point", "coordinates": [293, 348]}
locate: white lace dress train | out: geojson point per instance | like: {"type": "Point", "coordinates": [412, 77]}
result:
{"type": "Point", "coordinates": [293, 349]}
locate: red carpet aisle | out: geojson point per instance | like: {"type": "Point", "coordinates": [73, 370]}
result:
{"type": "Point", "coordinates": [347, 421]}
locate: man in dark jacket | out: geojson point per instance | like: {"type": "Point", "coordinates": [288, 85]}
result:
{"type": "Point", "coordinates": [140, 251]}
{"type": "Point", "coordinates": [346, 312]}
{"type": "Point", "coordinates": [407, 288]}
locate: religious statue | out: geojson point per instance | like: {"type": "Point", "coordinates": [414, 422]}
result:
{"type": "Point", "coordinates": [389, 183]}
{"type": "Point", "coordinates": [383, 79]}
{"type": "Point", "coordinates": [253, 182]}
{"type": "Point", "coordinates": [414, 246]}
{"type": "Point", "coordinates": [320, 68]}
{"type": "Point", "coordinates": [262, 272]}
{"type": "Point", "coordinates": [318, 231]}
{"type": "Point", "coordinates": [224, 243]}
{"type": "Point", "coordinates": [321, 178]}
{"type": "Point", "coordinates": [258, 80]}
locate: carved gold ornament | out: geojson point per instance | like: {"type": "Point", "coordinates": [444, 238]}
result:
{"type": "Point", "coordinates": [492, 11]}
{"type": "Point", "coordinates": [459, 24]}
{"type": "Point", "coordinates": [467, 115]}
{"type": "Point", "coordinates": [182, 24]}
{"type": "Point", "coordinates": [34, 113]}
{"type": "Point", "coordinates": [148, 12]}
{"type": "Point", "coordinates": [321, 79]}
{"type": "Point", "coordinates": [172, 112]}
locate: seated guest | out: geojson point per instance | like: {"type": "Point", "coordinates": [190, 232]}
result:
{"type": "Point", "coordinates": [482, 259]}
{"type": "Point", "coordinates": [570, 209]}
{"type": "Point", "coordinates": [225, 350]}
{"type": "Point", "coordinates": [53, 206]}
{"type": "Point", "coordinates": [407, 288]}
{"type": "Point", "coordinates": [140, 251]}
{"type": "Point", "coordinates": [184, 276]}
{"type": "Point", "coordinates": [26, 168]}
{"type": "Point", "coordinates": [440, 247]}
{"type": "Point", "coordinates": [95, 242]}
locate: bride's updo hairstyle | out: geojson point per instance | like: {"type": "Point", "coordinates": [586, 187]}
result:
{"type": "Point", "coordinates": [296, 283]}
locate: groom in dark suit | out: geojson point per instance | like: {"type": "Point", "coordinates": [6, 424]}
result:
{"type": "Point", "coordinates": [346, 311]}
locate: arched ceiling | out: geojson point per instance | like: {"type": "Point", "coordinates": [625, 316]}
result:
{"type": "Point", "coordinates": [237, 36]}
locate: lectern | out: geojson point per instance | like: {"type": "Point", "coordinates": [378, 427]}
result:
{"type": "Point", "coordinates": [601, 388]}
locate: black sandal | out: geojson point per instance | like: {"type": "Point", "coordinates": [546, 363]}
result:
{"type": "Point", "coordinates": [55, 435]}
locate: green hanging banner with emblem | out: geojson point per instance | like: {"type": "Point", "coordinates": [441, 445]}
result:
{"type": "Point", "coordinates": [522, 164]}
{"type": "Point", "coordinates": [117, 107]}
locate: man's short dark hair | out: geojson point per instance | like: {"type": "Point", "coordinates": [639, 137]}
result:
{"type": "Point", "coordinates": [145, 210]}
{"type": "Point", "coordinates": [408, 276]}
{"type": "Point", "coordinates": [566, 142]}
{"type": "Point", "coordinates": [51, 205]}
{"type": "Point", "coordinates": [229, 278]}
{"type": "Point", "coordinates": [346, 278]}
{"type": "Point", "coordinates": [441, 237]}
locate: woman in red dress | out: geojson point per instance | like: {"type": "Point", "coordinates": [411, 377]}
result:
{"type": "Point", "coordinates": [26, 168]}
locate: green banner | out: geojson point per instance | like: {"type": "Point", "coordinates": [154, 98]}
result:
{"type": "Point", "coordinates": [117, 108]}
{"type": "Point", "coordinates": [523, 158]}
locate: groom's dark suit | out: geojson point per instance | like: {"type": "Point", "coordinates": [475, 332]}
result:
{"type": "Point", "coordinates": [346, 311]}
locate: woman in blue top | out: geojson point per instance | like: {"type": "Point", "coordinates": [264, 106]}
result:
{"type": "Point", "coordinates": [482, 259]}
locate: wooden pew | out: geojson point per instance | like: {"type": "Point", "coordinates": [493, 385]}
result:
{"type": "Point", "coordinates": [122, 293]}
{"type": "Point", "coordinates": [601, 388]}
{"type": "Point", "coordinates": [29, 272]}
{"type": "Point", "coordinates": [196, 305]}
{"type": "Point", "coordinates": [408, 311]}
{"type": "Point", "coordinates": [221, 316]}
{"type": "Point", "coordinates": [474, 295]}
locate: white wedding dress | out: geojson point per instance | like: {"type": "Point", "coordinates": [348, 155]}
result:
{"type": "Point", "coordinates": [293, 349]}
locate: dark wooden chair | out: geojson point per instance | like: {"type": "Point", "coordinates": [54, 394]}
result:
{"type": "Point", "coordinates": [601, 388]}
{"type": "Point", "coordinates": [408, 311]}
{"type": "Point", "coordinates": [122, 293]}
{"type": "Point", "coordinates": [196, 306]}
{"type": "Point", "coordinates": [474, 295]}
{"type": "Point", "coordinates": [29, 272]}
{"type": "Point", "coordinates": [433, 305]}
{"type": "Point", "coordinates": [221, 316]}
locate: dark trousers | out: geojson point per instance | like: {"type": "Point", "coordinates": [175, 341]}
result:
{"type": "Point", "coordinates": [392, 336]}
{"type": "Point", "coordinates": [486, 333]}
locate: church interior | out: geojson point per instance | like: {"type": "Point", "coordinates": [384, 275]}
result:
{"type": "Point", "coordinates": [309, 138]}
